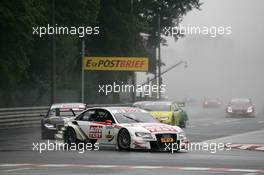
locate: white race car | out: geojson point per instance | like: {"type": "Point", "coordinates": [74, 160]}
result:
{"type": "Point", "coordinates": [125, 127]}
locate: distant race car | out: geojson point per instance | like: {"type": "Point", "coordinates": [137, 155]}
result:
{"type": "Point", "coordinates": [181, 104]}
{"type": "Point", "coordinates": [125, 127]}
{"type": "Point", "coordinates": [210, 102]}
{"type": "Point", "coordinates": [240, 107]}
{"type": "Point", "coordinates": [167, 112]}
{"type": "Point", "coordinates": [56, 117]}
{"type": "Point", "coordinates": [140, 104]}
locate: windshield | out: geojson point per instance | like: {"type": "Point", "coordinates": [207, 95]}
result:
{"type": "Point", "coordinates": [212, 99]}
{"type": "Point", "coordinates": [240, 102]}
{"type": "Point", "coordinates": [134, 117]}
{"type": "Point", "coordinates": [157, 107]}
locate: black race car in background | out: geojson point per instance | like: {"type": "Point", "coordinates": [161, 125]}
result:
{"type": "Point", "coordinates": [211, 102]}
{"type": "Point", "coordinates": [57, 115]}
{"type": "Point", "coordinates": [240, 107]}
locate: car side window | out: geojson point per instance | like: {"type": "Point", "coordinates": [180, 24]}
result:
{"type": "Point", "coordinates": [103, 115]}
{"type": "Point", "coordinates": [87, 115]}
{"type": "Point", "coordinates": [52, 113]}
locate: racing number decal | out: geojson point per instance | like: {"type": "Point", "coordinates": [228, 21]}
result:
{"type": "Point", "coordinates": [109, 132]}
{"type": "Point", "coordinates": [95, 131]}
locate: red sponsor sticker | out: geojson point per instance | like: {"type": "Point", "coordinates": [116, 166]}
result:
{"type": "Point", "coordinates": [95, 131]}
{"type": "Point", "coordinates": [160, 128]}
{"type": "Point", "coordinates": [64, 109]}
{"type": "Point", "coordinates": [131, 110]}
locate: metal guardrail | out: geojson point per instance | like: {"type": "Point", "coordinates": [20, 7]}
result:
{"type": "Point", "coordinates": [30, 116]}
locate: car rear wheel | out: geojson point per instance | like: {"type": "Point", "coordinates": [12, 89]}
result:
{"type": "Point", "coordinates": [123, 140]}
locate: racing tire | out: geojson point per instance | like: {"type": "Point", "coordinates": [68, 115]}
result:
{"type": "Point", "coordinates": [70, 137]}
{"type": "Point", "coordinates": [123, 140]}
{"type": "Point", "coordinates": [183, 124]}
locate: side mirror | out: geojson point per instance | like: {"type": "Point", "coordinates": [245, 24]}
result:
{"type": "Point", "coordinates": [109, 122]}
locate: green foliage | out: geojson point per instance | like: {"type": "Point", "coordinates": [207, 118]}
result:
{"type": "Point", "coordinates": [25, 58]}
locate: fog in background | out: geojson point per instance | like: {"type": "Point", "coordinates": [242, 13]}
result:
{"type": "Point", "coordinates": [225, 66]}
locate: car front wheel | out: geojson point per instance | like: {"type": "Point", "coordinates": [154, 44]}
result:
{"type": "Point", "coordinates": [123, 140]}
{"type": "Point", "coordinates": [70, 136]}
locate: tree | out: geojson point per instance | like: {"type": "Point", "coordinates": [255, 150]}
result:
{"type": "Point", "coordinates": [25, 58]}
{"type": "Point", "coordinates": [121, 23]}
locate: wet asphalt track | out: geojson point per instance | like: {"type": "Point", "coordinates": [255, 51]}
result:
{"type": "Point", "coordinates": [17, 156]}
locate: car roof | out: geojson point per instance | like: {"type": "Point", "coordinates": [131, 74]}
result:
{"type": "Point", "coordinates": [120, 109]}
{"type": "Point", "coordinates": [68, 105]}
{"type": "Point", "coordinates": [240, 99]}
{"type": "Point", "coordinates": [160, 102]}
{"type": "Point", "coordinates": [141, 102]}
{"type": "Point", "coordinates": [213, 98]}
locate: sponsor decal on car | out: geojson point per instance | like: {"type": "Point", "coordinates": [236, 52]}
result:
{"type": "Point", "coordinates": [95, 131]}
{"type": "Point", "coordinates": [160, 128]}
{"type": "Point", "coordinates": [109, 132]}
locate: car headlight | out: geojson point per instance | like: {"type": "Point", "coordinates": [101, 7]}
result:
{"type": "Point", "coordinates": [144, 135]}
{"type": "Point", "coordinates": [47, 125]}
{"type": "Point", "coordinates": [164, 118]}
{"type": "Point", "coordinates": [250, 109]}
{"type": "Point", "coordinates": [63, 128]}
{"type": "Point", "coordinates": [181, 135]}
{"type": "Point", "coordinates": [229, 109]}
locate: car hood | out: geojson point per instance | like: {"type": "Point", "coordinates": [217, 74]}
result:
{"type": "Point", "coordinates": [158, 114]}
{"type": "Point", "coordinates": [239, 107]}
{"type": "Point", "coordinates": [151, 127]}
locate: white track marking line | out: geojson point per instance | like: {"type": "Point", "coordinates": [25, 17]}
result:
{"type": "Point", "coordinates": [54, 165]}
{"type": "Point", "coordinates": [14, 165]}
{"type": "Point", "coordinates": [16, 169]}
{"type": "Point", "coordinates": [245, 146]}
{"type": "Point", "coordinates": [104, 166]}
{"type": "Point", "coordinates": [147, 167]}
{"type": "Point", "coordinates": [31, 166]}
{"type": "Point", "coordinates": [260, 148]}
{"type": "Point", "coordinates": [243, 170]}
{"type": "Point", "coordinates": [195, 168]}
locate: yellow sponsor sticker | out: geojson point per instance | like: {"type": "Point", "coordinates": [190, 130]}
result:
{"type": "Point", "coordinates": [166, 139]}
{"type": "Point", "coordinates": [140, 64]}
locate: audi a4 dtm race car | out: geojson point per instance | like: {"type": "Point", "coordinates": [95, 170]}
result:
{"type": "Point", "coordinates": [211, 102]}
{"type": "Point", "coordinates": [240, 107]}
{"type": "Point", "coordinates": [166, 112]}
{"type": "Point", "coordinates": [57, 115]}
{"type": "Point", "coordinates": [124, 127]}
